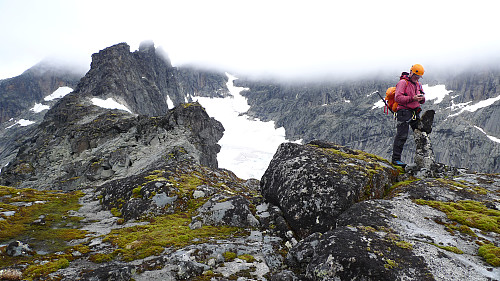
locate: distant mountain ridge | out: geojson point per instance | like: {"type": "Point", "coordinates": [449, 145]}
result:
{"type": "Point", "coordinates": [342, 112]}
{"type": "Point", "coordinates": [19, 93]}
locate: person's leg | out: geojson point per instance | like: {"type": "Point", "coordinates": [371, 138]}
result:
{"type": "Point", "coordinates": [402, 128]}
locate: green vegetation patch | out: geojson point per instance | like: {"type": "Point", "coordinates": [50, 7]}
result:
{"type": "Point", "coordinates": [356, 154]}
{"type": "Point", "coordinates": [469, 213]}
{"type": "Point", "coordinates": [57, 226]}
{"type": "Point", "coordinates": [491, 254]}
{"type": "Point", "coordinates": [165, 231]}
{"type": "Point", "coordinates": [38, 270]}
{"type": "Point", "coordinates": [391, 191]}
{"type": "Point", "coordinates": [449, 248]}
{"type": "Point", "coordinates": [246, 257]}
{"type": "Point", "coordinates": [50, 234]}
{"type": "Point", "coordinates": [463, 185]}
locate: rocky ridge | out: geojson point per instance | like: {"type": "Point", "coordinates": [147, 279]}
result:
{"type": "Point", "coordinates": [144, 81]}
{"type": "Point", "coordinates": [355, 218]}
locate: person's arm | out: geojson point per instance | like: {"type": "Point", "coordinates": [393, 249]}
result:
{"type": "Point", "coordinates": [400, 97]}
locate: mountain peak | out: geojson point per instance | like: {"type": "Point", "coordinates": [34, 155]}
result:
{"type": "Point", "coordinates": [142, 80]}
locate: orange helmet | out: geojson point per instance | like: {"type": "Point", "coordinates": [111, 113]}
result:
{"type": "Point", "coordinates": [417, 69]}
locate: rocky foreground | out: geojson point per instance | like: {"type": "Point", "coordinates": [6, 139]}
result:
{"type": "Point", "coordinates": [321, 212]}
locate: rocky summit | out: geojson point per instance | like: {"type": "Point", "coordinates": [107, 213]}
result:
{"type": "Point", "coordinates": [109, 194]}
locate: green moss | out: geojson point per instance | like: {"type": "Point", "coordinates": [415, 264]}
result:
{"type": "Point", "coordinates": [165, 231]}
{"type": "Point", "coordinates": [470, 213]}
{"type": "Point", "coordinates": [115, 212]}
{"type": "Point", "coordinates": [51, 236]}
{"type": "Point", "coordinates": [246, 257]}
{"type": "Point", "coordinates": [208, 276]}
{"type": "Point", "coordinates": [100, 257]}
{"type": "Point", "coordinates": [54, 205]}
{"type": "Point", "coordinates": [36, 271]}
{"type": "Point", "coordinates": [463, 185]}
{"type": "Point", "coordinates": [156, 175]}
{"type": "Point", "coordinates": [229, 256]}
{"type": "Point", "coordinates": [390, 264]}
{"type": "Point", "coordinates": [404, 245]}
{"type": "Point", "coordinates": [465, 229]}
{"type": "Point", "coordinates": [136, 192]}
{"type": "Point", "coordinates": [449, 248]}
{"type": "Point", "coordinates": [390, 190]}
{"type": "Point", "coordinates": [491, 254]}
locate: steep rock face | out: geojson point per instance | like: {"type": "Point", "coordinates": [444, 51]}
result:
{"type": "Point", "coordinates": [145, 80]}
{"type": "Point", "coordinates": [141, 80]}
{"type": "Point", "coordinates": [481, 84]}
{"type": "Point", "coordinates": [19, 94]}
{"type": "Point", "coordinates": [315, 183]}
{"type": "Point", "coordinates": [418, 229]}
{"type": "Point", "coordinates": [198, 82]}
{"type": "Point", "coordinates": [107, 144]}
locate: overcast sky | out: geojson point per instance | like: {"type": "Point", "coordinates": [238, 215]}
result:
{"type": "Point", "coordinates": [280, 38]}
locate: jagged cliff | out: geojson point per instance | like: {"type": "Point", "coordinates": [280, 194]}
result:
{"type": "Point", "coordinates": [143, 80]}
{"type": "Point", "coordinates": [78, 142]}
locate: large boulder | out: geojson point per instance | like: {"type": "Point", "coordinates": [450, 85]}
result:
{"type": "Point", "coordinates": [356, 217]}
{"type": "Point", "coordinates": [314, 183]}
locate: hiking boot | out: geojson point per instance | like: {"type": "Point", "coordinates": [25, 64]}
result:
{"type": "Point", "coordinates": [399, 163]}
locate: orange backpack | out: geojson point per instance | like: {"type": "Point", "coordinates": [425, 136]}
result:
{"type": "Point", "coordinates": [390, 104]}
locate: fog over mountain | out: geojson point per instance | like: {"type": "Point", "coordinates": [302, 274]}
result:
{"type": "Point", "coordinates": [283, 39]}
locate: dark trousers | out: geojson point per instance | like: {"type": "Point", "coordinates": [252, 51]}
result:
{"type": "Point", "coordinates": [405, 119]}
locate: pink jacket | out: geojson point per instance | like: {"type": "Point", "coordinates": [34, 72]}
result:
{"type": "Point", "coordinates": [405, 91]}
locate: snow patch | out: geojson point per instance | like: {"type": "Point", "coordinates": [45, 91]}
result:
{"type": "Point", "coordinates": [379, 104]}
{"type": "Point", "coordinates": [490, 137]}
{"type": "Point", "coordinates": [248, 145]}
{"type": "Point", "coordinates": [39, 107]}
{"type": "Point", "coordinates": [473, 107]}
{"type": "Point", "coordinates": [22, 123]}
{"type": "Point", "coordinates": [170, 103]}
{"type": "Point", "coordinates": [437, 93]}
{"type": "Point", "coordinates": [59, 93]}
{"type": "Point", "coordinates": [109, 104]}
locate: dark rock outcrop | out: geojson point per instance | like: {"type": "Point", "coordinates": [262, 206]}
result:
{"type": "Point", "coordinates": [141, 80]}
{"type": "Point", "coordinates": [315, 183]}
{"type": "Point", "coordinates": [78, 145]}
{"type": "Point", "coordinates": [396, 237]}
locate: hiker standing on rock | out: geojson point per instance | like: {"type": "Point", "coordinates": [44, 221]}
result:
{"type": "Point", "coordinates": [409, 96]}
